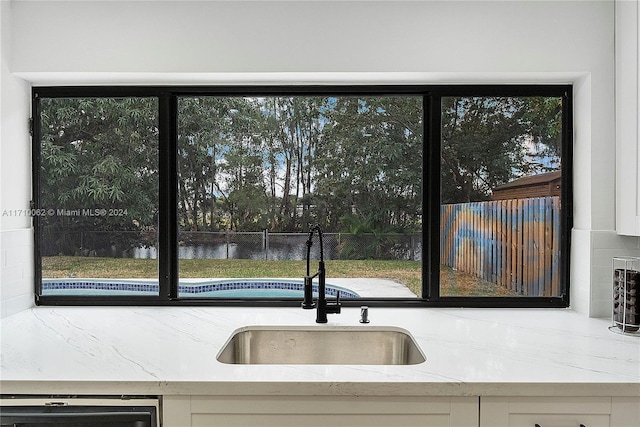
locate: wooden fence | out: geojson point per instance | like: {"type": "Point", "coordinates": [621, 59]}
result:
{"type": "Point", "coordinates": [512, 243]}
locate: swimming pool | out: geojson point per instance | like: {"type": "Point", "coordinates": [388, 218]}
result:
{"type": "Point", "coordinates": [221, 288]}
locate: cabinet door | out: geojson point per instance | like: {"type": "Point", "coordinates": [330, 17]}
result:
{"type": "Point", "coordinates": [176, 411]}
{"type": "Point", "coordinates": [545, 411]}
{"type": "Point", "coordinates": [627, 112]}
{"type": "Point", "coordinates": [351, 411]}
{"type": "Point", "coordinates": [625, 411]}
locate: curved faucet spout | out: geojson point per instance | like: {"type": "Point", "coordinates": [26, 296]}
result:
{"type": "Point", "coordinates": [323, 306]}
{"type": "Point", "coordinates": [315, 229]}
{"type": "Point", "coordinates": [308, 303]}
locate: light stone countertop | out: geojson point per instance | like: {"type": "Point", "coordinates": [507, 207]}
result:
{"type": "Point", "coordinates": [172, 351]}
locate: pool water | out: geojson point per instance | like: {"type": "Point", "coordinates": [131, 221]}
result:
{"type": "Point", "coordinates": [252, 293]}
{"type": "Point", "coordinates": [231, 288]}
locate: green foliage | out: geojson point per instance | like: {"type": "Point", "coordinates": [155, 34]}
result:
{"type": "Point", "coordinates": [368, 241]}
{"type": "Point", "coordinates": [281, 163]}
{"type": "Point", "coordinates": [543, 117]}
{"type": "Point", "coordinates": [98, 155]}
{"type": "Point", "coordinates": [284, 162]}
{"type": "Point", "coordinates": [372, 161]}
{"type": "Point", "coordinates": [203, 128]}
{"type": "Point", "coordinates": [489, 141]}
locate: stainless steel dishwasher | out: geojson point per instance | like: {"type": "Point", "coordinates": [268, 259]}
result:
{"type": "Point", "coordinates": [72, 411]}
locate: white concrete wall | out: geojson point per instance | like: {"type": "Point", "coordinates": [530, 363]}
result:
{"type": "Point", "coordinates": [218, 42]}
{"type": "Point", "coordinates": [16, 234]}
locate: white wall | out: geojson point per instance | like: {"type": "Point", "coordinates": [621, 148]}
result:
{"type": "Point", "coordinates": [16, 235]}
{"type": "Point", "coordinates": [217, 42]}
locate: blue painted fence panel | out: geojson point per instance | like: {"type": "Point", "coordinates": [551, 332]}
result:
{"type": "Point", "coordinates": [512, 243]}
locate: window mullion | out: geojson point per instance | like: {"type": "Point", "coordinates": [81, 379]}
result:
{"type": "Point", "coordinates": [431, 190]}
{"type": "Point", "coordinates": [168, 229]}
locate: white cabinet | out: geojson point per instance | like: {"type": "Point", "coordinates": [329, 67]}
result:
{"type": "Point", "coordinates": [627, 47]}
{"type": "Point", "coordinates": [347, 411]}
{"type": "Point", "coordinates": [372, 411]}
{"type": "Point", "coordinates": [559, 411]}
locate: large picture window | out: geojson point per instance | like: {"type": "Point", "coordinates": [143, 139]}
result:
{"type": "Point", "coordinates": [98, 192]}
{"type": "Point", "coordinates": [425, 195]}
{"type": "Point", "coordinates": [501, 181]}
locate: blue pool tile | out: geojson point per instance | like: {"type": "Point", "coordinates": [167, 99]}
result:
{"type": "Point", "coordinates": [211, 287]}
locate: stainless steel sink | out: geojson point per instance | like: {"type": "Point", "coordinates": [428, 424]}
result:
{"type": "Point", "coordinates": [322, 345]}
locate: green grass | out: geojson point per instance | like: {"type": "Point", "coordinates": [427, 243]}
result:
{"type": "Point", "coordinates": [456, 283]}
{"type": "Point", "coordinates": [409, 273]}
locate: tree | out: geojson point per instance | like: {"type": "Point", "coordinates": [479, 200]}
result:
{"type": "Point", "coordinates": [488, 141]}
{"type": "Point", "coordinates": [295, 125]}
{"type": "Point", "coordinates": [99, 172]}
{"type": "Point", "coordinates": [543, 117]}
{"type": "Point", "coordinates": [245, 198]}
{"type": "Point", "coordinates": [205, 137]}
{"type": "Point", "coordinates": [371, 162]}
{"type": "Point", "coordinates": [282, 163]}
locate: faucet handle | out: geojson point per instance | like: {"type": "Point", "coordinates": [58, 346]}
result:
{"type": "Point", "coordinates": [337, 305]}
{"type": "Point", "coordinates": [333, 307]}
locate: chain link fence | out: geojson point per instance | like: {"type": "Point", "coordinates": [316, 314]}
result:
{"type": "Point", "coordinates": [237, 245]}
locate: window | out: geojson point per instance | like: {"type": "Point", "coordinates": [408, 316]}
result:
{"type": "Point", "coordinates": [98, 195]}
{"type": "Point", "coordinates": [501, 181]}
{"type": "Point", "coordinates": [255, 173]}
{"type": "Point", "coordinates": [426, 195]}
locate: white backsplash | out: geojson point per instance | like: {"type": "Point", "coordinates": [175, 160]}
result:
{"type": "Point", "coordinates": [16, 271]}
{"type": "Point", "coordinates": [604, 246]}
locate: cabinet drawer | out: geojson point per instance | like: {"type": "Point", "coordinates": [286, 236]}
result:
{"type": "Point", "coordinates": [546, 411]}
{"type": "Point", "coordinates": [320, 420]}
{"type": "Point", "coordinates": [340, 411]}
{"type": "Point", "coordinates": [559, 420]}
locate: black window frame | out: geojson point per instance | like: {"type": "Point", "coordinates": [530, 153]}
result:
{"type": "Point", "coordinates": [167, 163]}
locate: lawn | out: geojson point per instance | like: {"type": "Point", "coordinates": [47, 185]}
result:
{"type": "Point", "coordinates": [409, 273]}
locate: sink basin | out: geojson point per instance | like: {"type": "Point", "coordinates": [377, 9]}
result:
{"type": "Point", "coordinates": [323, 345]}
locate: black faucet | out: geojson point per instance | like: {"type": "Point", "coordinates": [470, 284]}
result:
{"type": "Point", "coordinates": [322, 305]}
